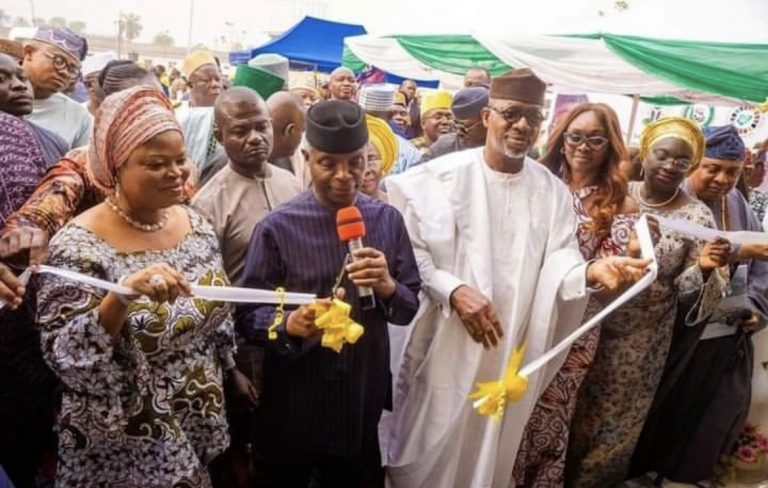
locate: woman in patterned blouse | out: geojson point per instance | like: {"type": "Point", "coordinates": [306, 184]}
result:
{"type": "Point", "coordinates": [143, 403]}
{"type": "Point", "coordinates": [586, 151]}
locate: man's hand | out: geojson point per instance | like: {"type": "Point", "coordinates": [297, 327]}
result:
{"type": "Point", "coordinates": [478, 316]}
{"type": "Point", "coordinates": [11, 288]}
{"type": "Point", "coordinates": [714, 254]}
{"type": "Point", "coordinates": [24, 247]}
{"type": "Point", "coordinates": [615, 273]}
{"type": "Point", "coordinates": [301, 322]}
{"type": "Point", "coordinates": [750, 324]}
{"type": "Point", "coordinates": [244, 388]}
{"type": "Point", "coordinates": [370, 269]}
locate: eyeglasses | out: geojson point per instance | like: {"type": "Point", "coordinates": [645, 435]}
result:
{"type": "Point", "coordinates": [512, 115]}
{"type": "Point", "coordinates": [463, 127]}
{"type": "Point", "coordinates": [594, 142]}
{"type": "Point", "coordinates": [60, 63]}
{"type": "Point", "coordinates": [680, 164]}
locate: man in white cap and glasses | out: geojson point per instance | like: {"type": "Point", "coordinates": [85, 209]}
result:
{"type": "Point", "coordinates": [467, 107]}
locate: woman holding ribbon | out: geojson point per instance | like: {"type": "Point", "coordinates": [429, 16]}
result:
{"type": "Point", "coordinates": [619, 388]}
{"type": "Point", "coordinates": [586, 151]}
{"type": "Point", "coordinates": [143, 402]}
{"type": "Point", "coordinates": [704, 399]}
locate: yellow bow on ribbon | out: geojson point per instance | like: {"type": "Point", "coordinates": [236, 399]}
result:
{"type": "Point", "coordinates": [491, 397]}
{"type": "Point", "coordinates": [763, 107]}
{"type": "Point", "coordinates": [337, 326]}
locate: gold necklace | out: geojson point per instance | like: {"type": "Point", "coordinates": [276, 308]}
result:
{"type": "Point", "coordinates": [656, 205]}
{"type": "Point", "coordinates": [135, 223]}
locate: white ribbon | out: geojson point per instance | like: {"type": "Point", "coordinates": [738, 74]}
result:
{"type": "Point", "coordinates": [646, 249]}
{"type": "Point", "coordinates": [709, 234]}
{"type": "Point", "coordinates": [213, 293]}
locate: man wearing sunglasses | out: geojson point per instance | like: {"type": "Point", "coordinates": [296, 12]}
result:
{"type": "Point", "coordinates": [494, 233]}
{"type": "Point", "coordinates": [51, 61]}
{"type": "Point", "coordinates": [467, 108]}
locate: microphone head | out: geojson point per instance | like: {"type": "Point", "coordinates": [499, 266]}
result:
{"type": "Point", "coordinates": [349, 224]}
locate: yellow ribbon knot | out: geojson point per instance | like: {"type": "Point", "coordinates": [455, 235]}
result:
{"type": "Point", "coordinates": [337, 326]}
{"type": "Point", "coordinates": [491, 397]}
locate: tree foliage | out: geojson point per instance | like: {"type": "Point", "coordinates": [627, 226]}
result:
{"type": "Point", "coordinates": [164, 39]}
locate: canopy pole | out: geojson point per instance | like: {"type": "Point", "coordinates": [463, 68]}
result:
{"type": "Point", "coordinates": [632, 117]}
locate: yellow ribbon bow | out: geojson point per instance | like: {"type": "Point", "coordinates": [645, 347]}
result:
{"type": "Point", "coordinates": [763, 107]}
{"type": "Point", "coordinates": [337, 326]}
{"type": "Point", "coordinates": [491, 397]}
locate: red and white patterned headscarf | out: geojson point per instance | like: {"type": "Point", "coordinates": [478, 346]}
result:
{"type": "Point", "coordinates": [125, 121]}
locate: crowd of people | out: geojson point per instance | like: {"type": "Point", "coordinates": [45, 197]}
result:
{"type": "Point", "coordinates": [478, 243]}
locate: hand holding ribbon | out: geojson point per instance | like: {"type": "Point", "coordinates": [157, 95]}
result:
{"type": "Point", "coordinates": [491, 397]}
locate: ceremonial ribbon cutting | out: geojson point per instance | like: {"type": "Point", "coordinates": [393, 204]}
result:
{"type": "Point", "coordinates": [339, 329]}
{"type": "Point", "coordinates": [490, 398]}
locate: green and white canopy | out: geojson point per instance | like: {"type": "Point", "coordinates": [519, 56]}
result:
{"type": "Point", "coordinates": [704, 72]}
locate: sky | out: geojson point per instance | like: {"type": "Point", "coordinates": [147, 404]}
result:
{"type": "Point", "coordinates": [734, 20]}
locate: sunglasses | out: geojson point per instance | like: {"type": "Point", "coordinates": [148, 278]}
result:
{"type": "Point", "coordinates": [512, 115]}
{"type": "Point", "coordinates": [60, 63]}
{"type": "Point", "coordinates": [576, 140]}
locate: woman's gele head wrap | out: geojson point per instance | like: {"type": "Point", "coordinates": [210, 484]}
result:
{"type": "Point", "coordinates": [125, 121]}
{"type": "Point", "coordinates": [677, 128]}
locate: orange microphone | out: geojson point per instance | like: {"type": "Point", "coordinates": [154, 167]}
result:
{"type": "Point", "coordinates": [351, 229]}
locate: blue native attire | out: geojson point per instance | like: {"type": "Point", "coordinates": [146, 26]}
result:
{"type": "Point", "coordinates": [317, 404]}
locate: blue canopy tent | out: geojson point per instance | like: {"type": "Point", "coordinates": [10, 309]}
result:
{"type": "Point", "coordinates": [312, 42]}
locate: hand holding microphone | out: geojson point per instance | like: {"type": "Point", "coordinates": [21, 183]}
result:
{"type": "Point", "coordinates": [368, 269]}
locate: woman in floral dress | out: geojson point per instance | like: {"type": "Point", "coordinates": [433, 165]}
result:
{"type": "Point", "coordinates": [586, 150]}
{"type": "Point", "coordinates": [143, 403]}
{"type": "Point", "coordinates": [619, 388]}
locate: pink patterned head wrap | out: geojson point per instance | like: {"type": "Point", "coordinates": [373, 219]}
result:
{"type": "Point", "coordinates": [125, 121]}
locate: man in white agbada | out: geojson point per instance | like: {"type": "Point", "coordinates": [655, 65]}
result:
{"type": "Point", "coordinates": [495, 237]}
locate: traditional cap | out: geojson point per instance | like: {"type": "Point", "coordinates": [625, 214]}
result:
{"type": "Point", "coordinates": [378, 98]}
{"type": "Point", "coordinates": [97, 62]}
{"type": "Point", "coordinates": [264, 83]}
{"type": "Point", "coordinates": [383, 138]}
{"type": "Point", "coordinates": [64, 39]}
{"type": "Point", "coordinates": [12, 48]}
{"type": "Point", "coordinates": [271, 63]}
{"type": "Point", "coordinates": [125, 121]}
{"type": "Point", "coordinates": [336, 126]}
{"type": "Point", "coordinates": [399, 99]}
{"type": "Point", "coordinates": [724, 142]}
{"type": "Point", "coordinates": [521, 85]}
{"type": "Point", "coordinates": [439, 99]}
{"type": "Point", "coordinates": [196, 59]}
{"type": "Point", "coordinates": [673, 127]}
{"type": "Point", "coordinates": [468, 103]}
